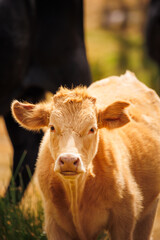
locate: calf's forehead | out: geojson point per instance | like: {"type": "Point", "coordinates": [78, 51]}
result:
{"type": "Point", "coordinates": [76, 115]}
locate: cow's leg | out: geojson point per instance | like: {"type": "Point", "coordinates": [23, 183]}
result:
{"type": "Point", "coordinates": [25, 145]}
{"type": "Point", "coordinates": [122, 222]}
{"type": "Point", "coordinates": [55, 232]}
{"type": "Point", "coordinates": [143, 227]}
{"type": "Point", "coordinates": [122, 230]}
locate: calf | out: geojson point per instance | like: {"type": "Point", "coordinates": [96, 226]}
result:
{"type": "Point", "coordinates": [99, 161]}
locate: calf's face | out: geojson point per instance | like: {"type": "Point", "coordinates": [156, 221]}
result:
{"type": "Point", "coordinates": [73, 121]}
{"type": "Point", "coordinates": [73, 135]}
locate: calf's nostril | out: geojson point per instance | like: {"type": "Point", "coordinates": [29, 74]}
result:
{"type": "Point", "coordinates": [76, 162]}
{"type": "Point", "coordinates": [61, 162]}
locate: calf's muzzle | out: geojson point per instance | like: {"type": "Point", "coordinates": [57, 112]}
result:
{"type": "Point", "coordinates": [69, 164]}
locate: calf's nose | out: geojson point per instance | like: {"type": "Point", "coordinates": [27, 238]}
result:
{"type": "Point", "coordinates": [69, 164]}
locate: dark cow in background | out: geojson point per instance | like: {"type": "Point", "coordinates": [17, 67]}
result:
{"type": "Point", "coordinates": [153, 31]}
{"type": "Point", "coordinates": [41, 48]}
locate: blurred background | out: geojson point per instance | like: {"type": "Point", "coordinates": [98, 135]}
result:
{"type": "Point", "coordinates": [115, 41]}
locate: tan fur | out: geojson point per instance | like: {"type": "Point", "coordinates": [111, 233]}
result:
{"type": "Point", "coordinates": [114, 128]}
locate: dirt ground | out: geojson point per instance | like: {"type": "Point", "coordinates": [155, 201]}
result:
{"type": "Point", "coordinates": [6, 153]}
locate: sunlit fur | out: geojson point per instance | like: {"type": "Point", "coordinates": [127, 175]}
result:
{"type": "Point", "coordinates": [119, 188]}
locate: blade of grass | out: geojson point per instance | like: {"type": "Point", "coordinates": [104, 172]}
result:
{"type": "Point", "coordinates": [29, 171]}
{"type": "Point", "coordinates": [20, 163]}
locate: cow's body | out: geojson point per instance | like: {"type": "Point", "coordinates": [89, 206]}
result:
{"type": "Point", "coordinates": [118, 184]}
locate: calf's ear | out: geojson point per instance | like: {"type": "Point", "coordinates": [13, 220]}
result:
{"type": "Point", "coordinates": [114, 115]}
{"type": "Point", "coordinates": [31, 116]}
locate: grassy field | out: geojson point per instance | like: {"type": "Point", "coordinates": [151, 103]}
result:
{"type": "Point", "coordinates": [108, 54]}
{"type": "Point", "coordinates": [15, 224]}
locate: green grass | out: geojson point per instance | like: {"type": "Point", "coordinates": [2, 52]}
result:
{"type": "Point", "coordinates": [17, 224]}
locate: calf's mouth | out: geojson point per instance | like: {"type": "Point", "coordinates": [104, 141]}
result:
{"type": "Point", "coordinates": [69, 173]}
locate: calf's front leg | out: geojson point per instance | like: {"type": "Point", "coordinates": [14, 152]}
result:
{"type": "Point", "coordinates": [123, 223]}
{"type": "Point", "coordinates": [55, 232]}
{"type": "Point", "coordinates": [144, 226]}
{"type": "Point", "coordinates": [122, 230]}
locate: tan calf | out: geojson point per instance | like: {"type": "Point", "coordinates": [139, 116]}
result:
{"type": "Point", "coordinates": [99, 161]}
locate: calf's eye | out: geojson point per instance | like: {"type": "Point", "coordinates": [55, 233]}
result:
{"type": "Point", "coordinates": [92, 130]}
{"type": "Point", "coordinates": [52, 128]}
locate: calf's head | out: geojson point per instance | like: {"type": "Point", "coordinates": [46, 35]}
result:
{"type": "Point", "coordinates": [73, 121]}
